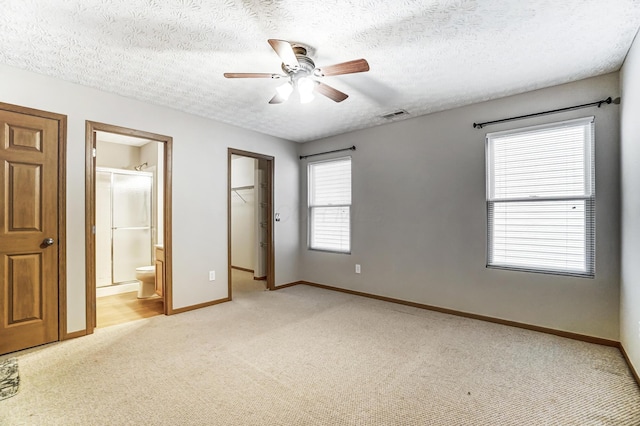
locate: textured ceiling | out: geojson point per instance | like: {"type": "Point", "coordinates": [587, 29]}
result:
{"type": "Point", "coordinates": [425, 55]}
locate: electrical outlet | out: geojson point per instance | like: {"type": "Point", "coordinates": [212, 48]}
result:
{"type": "Point", "coordinates": [357, 268]}
{"type": "Point", "coordinates": [212, 275]}
{"type": "Point", "coordinates": [638, 329]}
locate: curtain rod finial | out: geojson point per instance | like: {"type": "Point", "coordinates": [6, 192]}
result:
{"type": "Point", "coordinates": [617, 100]}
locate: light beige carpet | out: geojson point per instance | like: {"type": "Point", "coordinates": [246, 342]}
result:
{"type": "Point", "coordinates": [307, 356]}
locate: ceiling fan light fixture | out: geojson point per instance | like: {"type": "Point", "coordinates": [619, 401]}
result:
{"type": "Point", "coordinates": [306, 86]}
{"type": "Point", "coordinates": [305, 98]}
{"type": "Point", "coordinates": [285, 90]}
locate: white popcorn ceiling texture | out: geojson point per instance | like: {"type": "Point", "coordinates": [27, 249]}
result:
{"type": "Point", "coordinates": [425, 55]}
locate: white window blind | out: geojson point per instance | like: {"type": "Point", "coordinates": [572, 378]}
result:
{"type": "Point", "coordinates": [541, 198]}
{"type": "Point", "coordinates": [330, 205]}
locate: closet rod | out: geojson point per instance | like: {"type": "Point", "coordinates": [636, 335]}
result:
{"type": "Point", "coordinates": [553, 111]}
{"type": "Point", "coordinates": [352, 148]}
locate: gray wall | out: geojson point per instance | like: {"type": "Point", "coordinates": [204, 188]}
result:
{"type": "Point", "coordinates": [630, 211]}
{"type": "Point", "coordinates": [199, 184]}
{"type": "Point", "coordinates": [419, 216]}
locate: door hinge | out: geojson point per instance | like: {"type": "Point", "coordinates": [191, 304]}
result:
{"type": "Point", "coordinates": [93, 229]}
{"type": "Point", "coordinates": [93, 152]}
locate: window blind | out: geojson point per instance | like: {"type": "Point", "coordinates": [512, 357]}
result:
{"type": "Point", "coordinates": [541, 198]}
{"type": "Point", "coordinates": [330, 205]}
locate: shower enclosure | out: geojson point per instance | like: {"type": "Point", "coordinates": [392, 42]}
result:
{"type": "Point", "coordinates": [123, 224]}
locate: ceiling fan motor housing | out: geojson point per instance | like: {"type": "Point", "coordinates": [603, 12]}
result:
{"type": "Point", "coordinates": [305, 65]}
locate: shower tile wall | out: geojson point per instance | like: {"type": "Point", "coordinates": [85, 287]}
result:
{"type": "Point", "coordinates": [153, 154]}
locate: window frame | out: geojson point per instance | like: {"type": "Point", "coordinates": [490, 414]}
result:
{"type": "Point", "coordinates": [310, 207]}
{"type": "Point", "coordinates": [589, 199]}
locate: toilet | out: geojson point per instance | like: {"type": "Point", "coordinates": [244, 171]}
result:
{"type": "Point", "coordinates": [146, 275]}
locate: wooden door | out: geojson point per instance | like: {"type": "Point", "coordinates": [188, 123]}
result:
{"type": "Point", "coordinates": [28, 230]}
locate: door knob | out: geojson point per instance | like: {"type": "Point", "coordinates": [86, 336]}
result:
{"type": "Point", "coordinates": [48, 242]}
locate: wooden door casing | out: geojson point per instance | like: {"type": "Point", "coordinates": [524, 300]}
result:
{"type": "Point", "coordinates": [91, 127]}
{"type": "Point", "coordinates": [266, 163]}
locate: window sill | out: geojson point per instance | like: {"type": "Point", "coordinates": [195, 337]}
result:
{"type": "Point", "coordinates": [328, 251]}
{"type": "Point", "coordinates": [576, 274]}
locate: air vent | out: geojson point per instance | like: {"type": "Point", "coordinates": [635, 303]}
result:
{"type": "Point", "coordinates": [395, 114]}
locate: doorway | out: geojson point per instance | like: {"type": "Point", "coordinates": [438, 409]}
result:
{"type": "Point", "coordinates": [250, 222]}
{"type": "Point", "coordinates": [32, 228]}
{"type": "Point", "coordinates": [128, 225]}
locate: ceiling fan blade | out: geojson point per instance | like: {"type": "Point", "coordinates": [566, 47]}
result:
{"type": "Point", "coordinates": [350, 67]}
{"type": "Point", "coordinates": [277, 99]}
{"type": "Point", "coordinates": [251, 75]}
{"type": "Point", "coordinates": [285, 52]}
{"type": "Point", "coordinates": [330, 92]}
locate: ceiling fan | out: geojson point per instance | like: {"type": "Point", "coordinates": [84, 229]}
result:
{"type": "Point", "coordinates": [300, 70]}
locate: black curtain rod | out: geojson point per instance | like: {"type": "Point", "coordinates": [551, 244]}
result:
{"type": "Point", "coordinates": [352, 148]}
{"type": "Point", "coordinates": [520, 117]}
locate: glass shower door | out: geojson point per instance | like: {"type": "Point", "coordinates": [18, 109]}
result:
{"type": "Point", "coordinates": [131, 231]}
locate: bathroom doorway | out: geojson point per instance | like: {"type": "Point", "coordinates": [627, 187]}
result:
{"type": "Point", "coordinates": [250, 222]}
{"type": "Point", "coordinates": [128, 225]}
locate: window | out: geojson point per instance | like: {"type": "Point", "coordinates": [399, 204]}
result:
{"type": "Point", "coordinates": [330, 205]}
{"type": "Point", "coordinates": [541, 198]}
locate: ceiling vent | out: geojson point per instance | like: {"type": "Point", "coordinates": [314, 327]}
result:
{"type": "Point", "coordinates": [396, 114]}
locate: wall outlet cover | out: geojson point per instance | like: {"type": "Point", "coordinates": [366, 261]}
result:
{"type": "Point", "coordinates": [357, 268]}
{"type": "Point", "coordinates": [212, 275]}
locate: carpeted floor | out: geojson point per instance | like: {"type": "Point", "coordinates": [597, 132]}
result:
{"type": "Point", "coordinates": [307, 356]}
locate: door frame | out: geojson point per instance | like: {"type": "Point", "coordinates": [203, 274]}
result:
{"type": "Point", "coordinates": [270, 215]}
{"type": "Point", "coordinates": [90, 212]}
{"type": "Point", "coordinates": [62, 209]}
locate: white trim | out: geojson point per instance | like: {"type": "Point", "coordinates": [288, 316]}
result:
{"type": "Point", "coordinates": [554, 125]}
{"type": "Point", "coordinates": [536, 264]}
{"type": "Point", "coordinates": [311, 207]}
